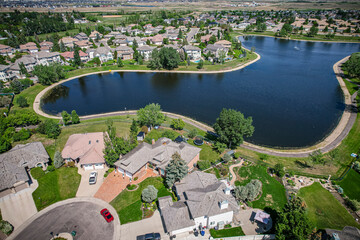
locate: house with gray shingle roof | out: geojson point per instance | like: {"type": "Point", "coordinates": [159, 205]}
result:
{"type": "Point", "coordinates": [156, 156]}
{"type": "Point", "coordinates": [16, 163]}
{"type": "Point", "coordinates": [203, 202]}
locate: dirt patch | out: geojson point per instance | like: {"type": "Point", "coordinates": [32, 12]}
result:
{"type": "Point", "coordinates": [269, 198]}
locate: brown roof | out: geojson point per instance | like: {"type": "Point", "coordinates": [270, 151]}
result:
{"type": "Point", "coordinates": [88, 147]}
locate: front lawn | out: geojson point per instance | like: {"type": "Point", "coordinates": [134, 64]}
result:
{"type": "Point", "coordinates": [128, 204]}
{"type": "Point", "coordinates": [56, 186]}
{"type": "Point", "coordinates": [351, 184]}
{"type": "Point", "coordinates": [273, 192]}
{"type": "Point", "coordinates": [229, 232]}
{"type": "Point", "coordinates": [324, 210]}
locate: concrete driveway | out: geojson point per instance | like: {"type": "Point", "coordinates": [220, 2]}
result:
{"type": "Point", "coordinates": [77, 214]}
{"type": "Point", "coordinates": [131, 230]}
{"type": "Point", "coordinates": [16, 208]}
{"type": "Point", "coordinates": [85, 189]}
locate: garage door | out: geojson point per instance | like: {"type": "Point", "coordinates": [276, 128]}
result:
{"type": "Point", "coordinates": [88, 167]}
{"type": "Point", "coordinates": [99, 166]}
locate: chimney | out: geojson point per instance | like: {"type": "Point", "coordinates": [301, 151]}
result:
{"type": "Point", "coordinates": [227, 191]}
{"type": "Point", "coordinates": [223, 204]}
{"type": "Point", "coordinates": [153, 141]}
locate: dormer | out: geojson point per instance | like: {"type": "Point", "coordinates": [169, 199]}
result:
{"type": "Point", "coordinates": [224, 204]}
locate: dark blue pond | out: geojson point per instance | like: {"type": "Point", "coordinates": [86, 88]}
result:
{"type": "Point", "coordinates": [291, 92]}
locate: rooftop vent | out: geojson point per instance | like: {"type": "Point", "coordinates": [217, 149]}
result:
{"type": "Point", "coordinates": [90, 142]}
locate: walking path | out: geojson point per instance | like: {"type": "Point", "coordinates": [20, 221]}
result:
{"type": "Point", "coordinates": [332, 141]}
{"type": "Point", "coordinates": [233, 179]}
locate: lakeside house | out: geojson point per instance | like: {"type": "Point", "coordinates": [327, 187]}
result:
{"type": "Point", "coordinates": [155, 156]}
{"type": "Point", "coordinates": [193, 52]}
{"type": "Point", "coordinates": [16, 164]}
{"type": "Point", "coordinates": [86, 150]}
{"type": "Point", "coordinates": [204, 201]}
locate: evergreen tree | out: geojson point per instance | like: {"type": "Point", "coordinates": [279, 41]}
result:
{"type": "Point", "coordinates": [134, 128]}
{"type": "Point", "coordinates": [74, 117]}
{"type": "Point", "coordinates": [65, 117]}
{"type": "Point", "coordinates": [16, 86]}
{"type": "Point", "coordinates": [23, 69]}
{"type": "Point", "coordinates": [62, 47]}
{"type": "Point", "coordinates": [120, 62]}
{"type": "Point", "coordinates": [58, 160]}
{"type": "Point", "coordinates": [175, 170]}
{"type": "Point", "coordinates": [56, 47]}
{"type": "Point", "coordinates": [77, 59]}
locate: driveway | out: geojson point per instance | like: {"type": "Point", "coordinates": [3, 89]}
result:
{"type": "Point", "coordinates": [129, 231]}
{"type": "Point", "coordinates": [77, 214]}
{"type": "Point", "coordinates": [85, 189]}
{"type": "Point", "coordinates": [18, 207]}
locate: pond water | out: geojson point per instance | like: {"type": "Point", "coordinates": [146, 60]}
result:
{"type": "Point", "coordinates": [291, 92]}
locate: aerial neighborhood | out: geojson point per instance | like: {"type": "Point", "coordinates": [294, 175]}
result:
{"type": "Point", "coordinates": [88, 152]}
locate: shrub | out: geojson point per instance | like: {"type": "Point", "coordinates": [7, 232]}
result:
{"type": "Point", "coordinates": [236, 155]}
{"type": "Point", "coordinates": [50, 128]}
{"type": "Point", "coordinates": [58, 160]}
{"type": "Point", "coordinates": [339, 189]}
{"type": "Point", "coordinates": [357, 166]}
{"type": "Point", "coordinates": [219, 147]}
{"type": "Point", "coordinates": [22, 102]}
{"type": "Point", "coordinates": [227, 158]}
{"type": "Point", "coordinates": [279, 169]}
{"type": "Point", "coordinates": [248, 192]}
{"type": "Point", "coordinates": [149, 194]}
{"type": "Point", "coordinates": [50, 168]}
{"type": "Point", "coordinates": [131, 186]}
{"type": "Point", "coordinates": [22, 135]}
{"type": "Point", "coordinates": [353, 204]}
{"type": "Point", "coordinates": [6, 227]}
{"type": "Point", "coordinates": [203, 165]}
{"type": "Point", "coordinates": [37, 172]}
{"type": "Point", "coordinates": [144, 129]}
{"type": "Point", "coordinates": [192, 133]}
{"type": "Point", "coordinates": [178, 124]}
{"type": "Point", "coordinates": [169, 134]}
{"type": "Point", "coordinates": [71, 164]}
{"type": "Point", "coordinates": [136, 178]}
{"type": "Point", "coordinates": [224, 171]}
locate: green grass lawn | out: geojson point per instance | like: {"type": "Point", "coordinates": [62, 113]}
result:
{"type": "Point", "coordinates": [56, 186]}
{"type": "Point", "coordinates": [273, 192]}
{"type": "Point", "coordinates": [324, 210]}
{"type": "Point", "coordinates": [351, 185]}
{"type": "Point", "coordinates": [128, 204]}
{"type": "Point", "coordinates": [229, 232]}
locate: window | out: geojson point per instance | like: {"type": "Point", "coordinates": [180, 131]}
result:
{"type": "Point", "coordinates": [212, 223]}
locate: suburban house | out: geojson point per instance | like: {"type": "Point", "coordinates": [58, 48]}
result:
{"type": "Point", "coordinates": [16, 164]}
{"type": "Point", "coordinates": [157, 39]}
{"type": "Point", "coordinates": [83, 44]}
{"type": "Point", "coordinates": [145, 51]}
{"type": "Point", "coordinates": [29, 63]}
{"type": "Point", "coordinates": [6, 50]}
{"type": "Point", "coordinates": [224, 43]}
{"type": "Point", "coordinates": [204, 201]}
{"type": "Point", "coordinates": [69, 56]}
{"type": "Point", "coordinates": [81, 36]}
{"type": "Point", "coordinates": [205, 38]}
{"type": "Point", "coordinates": [5, 73]}
{"type": "Point", "coordinates": [46, 46]}
{"type": "Point", "coordinates": [216, 50]}
{"type": "Point", "coordinates": [29, 47]}
{"type": "Point", "coordinates": [68, 41]}
{"type": "Point", "coordinates": [156, 156]}
{"type": "Point", "coordinates": [94, 34]}
{"type": "Point", "coordinates": [85, 149]}
{"type": "Point", "coordinates": [194, 53]}
{"type": "Point", "coordinates": [103, 53]}
{"type": "Point", "coordinates": [125, 52]}
{"type": "Point", "coordinates": [46, 58]}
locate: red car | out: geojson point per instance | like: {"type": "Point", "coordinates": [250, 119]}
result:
{"type": "Point", "coordinates": [107, 215]}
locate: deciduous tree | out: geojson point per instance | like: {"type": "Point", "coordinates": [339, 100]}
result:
{"type": "Point", "coordinates": [74, 117]}
{"type": "Point", "coordinates": [149, 194]}
{"type": "Point", "coordinates": [150, 115]}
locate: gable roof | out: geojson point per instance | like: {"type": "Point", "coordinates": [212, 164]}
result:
{"type": "Point", "coordinates": [87, 146]}
{"type": "Point", "coordinates": [13, 163]}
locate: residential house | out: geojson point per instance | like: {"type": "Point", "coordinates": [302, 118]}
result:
{"type": "Point", "coordinates": [94, 34]}
{"type": "Point", "coordinates": [86, 149]}
{"type": "Point", "coordinates": [69, 56]}
{"type": "Point", "coordinates": [16, 164]}
{"type": "Point", "coordinates": [81, 37]}
{"type": "Point", "coordinates": [193, 53]}
{"type": "Point", "coordinates": [46, 46]}
{"type": "Point", "coordinates": [204, 201]}
{"type": "Point", "coordinates": [157, 39]}
{"type": "Point", "coordinates": [6, 50]}
{"type": "Point", "coordinates": [125, 52]}
{"type": "Point", "coordinates": [224, 43]}
{"type": "Point", "coordinates": [103, 53]}
{"type": "Point", "coordinates": [347, 233]}
{"type": "Point", "coordinates": [46, 58]}
{"type": "Point", "coordinates": [29, 47]}
{"type": "Point", "coordinates": [205, 38]}
{"type": "Point", "coordinates": [68, 41]}
{"type": "Point", "coordinates": [130, 41]}
{"type": "Point", "coordinates": [145, 51]}
{"type": "Point", "coordinates": [5, 73]}
{"type": "Point", "coordinates": [120, 42]}
{"type": "Point", "coordinates": [156, 156]}
{"type": "Point", "coordinates": [216, 50]}
{"type": "Point", "coordinates": [84, 44]}
{"type": "Point", "coordinates": [29, 63]}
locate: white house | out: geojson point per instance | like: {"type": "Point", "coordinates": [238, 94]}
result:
{"type": "Point", "coordinates": [5, 73]}
{"type": "Point", "coordinates": [46, 58]}
{"type": "Point", "coordinates": [204, 201]}
{"type": "Point", "coordinates": [145, 51]}
{"type": "Point", "coordinates": [103, 53]}
{"type": "Point", "coordinates": [194, 53]}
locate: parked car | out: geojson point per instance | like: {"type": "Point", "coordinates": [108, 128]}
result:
{"type": "Point", "coordinates": [107, 215]}
{"type": "Point", "coordinates": [149, 236]}
{"type": "Point", "coordinates": [92, 178]}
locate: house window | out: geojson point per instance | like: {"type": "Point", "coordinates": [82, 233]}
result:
{"type": "Point", "coordinates": [212, 223]}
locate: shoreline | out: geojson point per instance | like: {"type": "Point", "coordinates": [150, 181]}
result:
{"type": "Point", "coordinates": [304, 40]}
{"type": "Point", "coordinates": [330, 142]}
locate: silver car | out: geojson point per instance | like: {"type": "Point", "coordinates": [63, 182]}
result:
{"type": "Point", "coordinates": [93, 176]}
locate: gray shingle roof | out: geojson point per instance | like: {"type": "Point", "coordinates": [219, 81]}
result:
{"type": "Point", "coordinates": [191, 48]}
{"type": "Point", "coordinates": [13, 163]}
{"type": "Point", "coordinates": [348, 233]}
{"type": "Point", "coordinates": [175, 214]}
{"type": "Point", "coordinates": [213, 47]}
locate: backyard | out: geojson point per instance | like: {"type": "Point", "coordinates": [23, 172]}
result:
{"type": "Point", "coordinates": [351, 185]}
{"type": "Point", "coordinates": [273, 192]}
{"type": "Point", "coordinates": [128, 203]}
{"type": "Point", "coordinates": [324, 210]}
{"type": "Point", "coordinates": [56, 186]}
